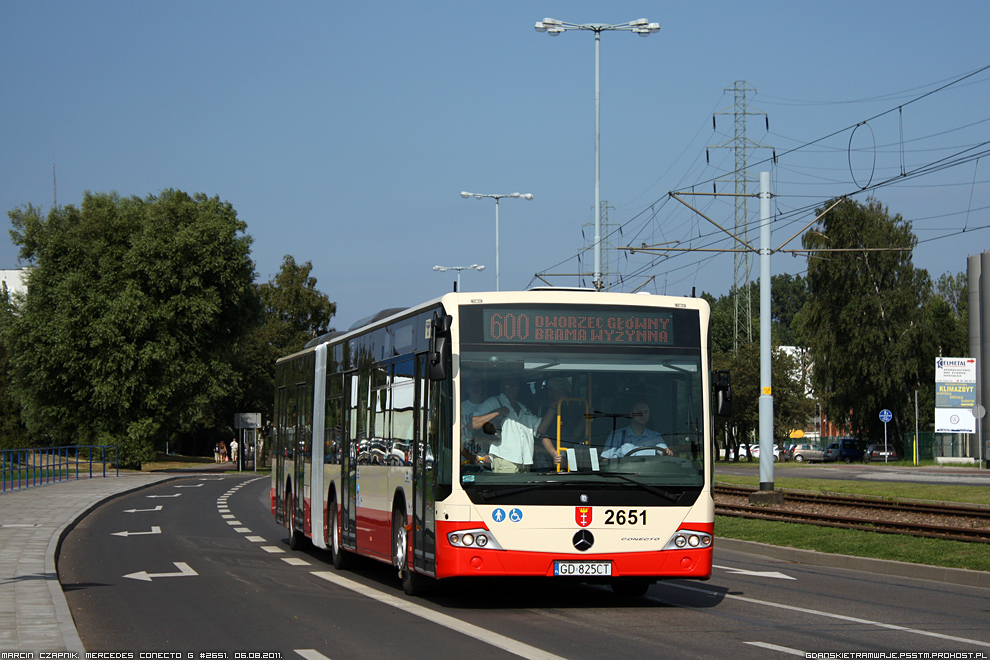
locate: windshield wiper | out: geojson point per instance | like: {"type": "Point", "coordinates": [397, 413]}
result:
{"type": "Point", "coordinates": [652, 489]}
{"type": "Point", "coordinates": [490, 494]}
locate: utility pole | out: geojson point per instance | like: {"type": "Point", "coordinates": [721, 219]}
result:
{"type": "Point", "coordinates": [742, 261]}
{"type": "Point", "coordinates": [606, 228]}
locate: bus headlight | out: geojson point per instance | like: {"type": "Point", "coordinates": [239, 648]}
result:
{"type": "Point", "coordinates": [473, 538]}
{"type": "Point", "coordinates": [688, 538]}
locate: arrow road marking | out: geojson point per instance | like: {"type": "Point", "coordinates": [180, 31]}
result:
{"type": "Point", "coordinates": [157, 508]}
{"type": "Point", "coordinates": [145, 576]}
{"type": "Point", "coordinates": [154, 530]}
{"type": "Point", "coordinates": [766, 574]}
{"type": "Point", "coordinates": [156, 496]}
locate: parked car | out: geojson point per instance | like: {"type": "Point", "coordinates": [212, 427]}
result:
{"type": "Point", "coordinates": [878, 452]}
{"type": "Point", "coordinates": [743, 453]}
{"type": "Point", "coordinates": [831, 453]}
{"type": "Point", "coordinates": [851, 450]}
{"type": "Point", "coordinates": [806, 452]}
{"type": "Point", "coordinates": [756, 451]}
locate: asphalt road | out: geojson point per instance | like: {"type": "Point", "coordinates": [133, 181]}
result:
{"type": "Point", "coordinates": [209, 583]}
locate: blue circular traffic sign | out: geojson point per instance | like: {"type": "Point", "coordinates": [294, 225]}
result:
{"type": "Point", "coordinates": [885, 416]}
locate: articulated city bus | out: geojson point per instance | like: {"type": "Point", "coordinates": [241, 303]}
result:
{"type": "Point", "coordinates": [549, 432]}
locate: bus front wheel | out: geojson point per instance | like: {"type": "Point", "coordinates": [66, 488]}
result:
{"type": "Point", "coordinates": [413, 584]}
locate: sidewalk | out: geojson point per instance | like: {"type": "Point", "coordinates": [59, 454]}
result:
{"type": "Point", "coordinates": [34, 615]}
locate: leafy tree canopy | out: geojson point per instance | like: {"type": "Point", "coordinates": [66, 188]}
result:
{"type": "Point", "coordinates": [292, 311]}
{"type": "Point", "coordinates": [134, 310]}
{"type": "Point", "coordinates": [865, 322]}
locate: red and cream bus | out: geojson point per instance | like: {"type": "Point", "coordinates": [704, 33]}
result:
{"type": "Point", "coordinates": [377, 452]}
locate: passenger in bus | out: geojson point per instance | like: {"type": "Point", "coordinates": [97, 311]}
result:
{"type": "Point", "coordinates": [635, 436]}
{"type": "Point", "coordinates": [474, 445]}
{"type": "Point", "coordinates": [512, 426]}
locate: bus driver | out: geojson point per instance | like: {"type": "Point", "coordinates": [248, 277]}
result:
{"type": "Point", "coordinates": [635, 436]}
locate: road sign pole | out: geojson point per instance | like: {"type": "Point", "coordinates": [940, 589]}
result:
{"type": "Point", "coordinates": [885, 453]}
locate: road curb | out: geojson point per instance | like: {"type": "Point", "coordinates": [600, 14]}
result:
{"type": "Point", "coordinates": [957, 576]}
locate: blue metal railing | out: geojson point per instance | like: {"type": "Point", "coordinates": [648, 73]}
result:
{"type": "Point", "coordinates": [23, 468]}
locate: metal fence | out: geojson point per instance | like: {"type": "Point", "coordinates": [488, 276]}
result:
{"type": "Point", "coordinates": [942, 446]}
{"type": "Point", "coordinates": [23, 468]}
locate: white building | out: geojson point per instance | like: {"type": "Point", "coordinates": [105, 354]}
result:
{"type": "Point", "coordinates": [14, 280]}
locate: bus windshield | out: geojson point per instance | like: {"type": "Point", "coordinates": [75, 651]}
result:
{"type": "Point", "coordinates": [629, 417]}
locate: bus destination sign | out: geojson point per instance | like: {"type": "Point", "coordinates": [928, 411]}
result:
{"type": "Point", "coordinates": [579, 326]}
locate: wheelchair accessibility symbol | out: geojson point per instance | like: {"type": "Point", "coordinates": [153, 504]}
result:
{"type": "Point", "coordinates": [515, 515]}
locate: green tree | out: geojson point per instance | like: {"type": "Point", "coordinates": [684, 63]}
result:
{"type": "Point", "coordinates": [295, 311]}
{"type": "Point", "coordinates": [788, 296]}
{"type": "Point", "coordinates": [791, 405]}
{"type": "Point", "coordinates": [291, 311]}
{"type": "Point", "coordinates": [134, 311]}
{"type": "Point", "coordinates": [13, 434]}
{"type": "Point", "coordinates": [864, 321]}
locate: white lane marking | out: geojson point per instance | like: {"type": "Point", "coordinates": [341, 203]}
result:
{"type": "Point", "coordinates": [184, 571]}
{"type": "Point", "coordinates": [154, 530]}
{"type": "Point", "coordinates": [481, 634]}
{"type": "Point", "coordinates": [196, 486]}
{"type": "Point", "coordinates": [234, 522]}
{"type": "Point", "coordinates": [310, 654]}
{"type": "Point", "coordinates": [766, 574]}
{"type": "Point", "coordinates": [228, 516]}
{"type": "Point", "coordinates": [157, 508]}
{"type": "Point", "coordinates": [774, 647]}
{"type": "Point", "coordinates": [242, 530]}
{"type": "Point", "coordinates": [295, 561]}
{"type": "Point", "coordinates": [152, 497]}
{"type": "Point", "coordinates": [840, 617]}
{"type": "Point", "coordinates": [274, 549]}
{"type": "Point", "coordinates": [255, 539]}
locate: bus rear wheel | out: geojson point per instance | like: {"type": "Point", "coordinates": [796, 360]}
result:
{"type": "Point", "coordinates": [338, 556]}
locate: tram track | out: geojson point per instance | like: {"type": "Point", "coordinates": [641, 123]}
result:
{"type": "Point", "coordinates": [927, 519]}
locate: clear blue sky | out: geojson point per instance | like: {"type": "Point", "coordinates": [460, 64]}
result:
{"type": "Point", "coordinates": [343, 133]}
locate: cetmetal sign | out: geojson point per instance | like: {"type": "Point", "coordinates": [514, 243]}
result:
{"type": "Point", "coordinates": [955, 395]}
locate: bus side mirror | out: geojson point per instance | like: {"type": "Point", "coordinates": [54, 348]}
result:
{"type": "Point", "coordinates": [440, 346]}
{"type": "Point", "coordinates": [722, 388]}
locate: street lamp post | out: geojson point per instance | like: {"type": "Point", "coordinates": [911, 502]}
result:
{"type": "Point", "coordinates": [459, 269]}
{"type": "Point", "coordinates": [643, 28]}
{"type": "Point", "coordinates": [465, 195]}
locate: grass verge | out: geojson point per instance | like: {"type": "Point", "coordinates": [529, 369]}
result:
{"type": "Point", "coordinates": [172, 462]}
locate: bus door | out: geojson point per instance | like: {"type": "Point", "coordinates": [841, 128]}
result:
{"type": "Point", "coordinates": [424, 465]}
{"type": "Point", "coordinates": [303, 446]}
{"type": "Point", "coordinates": [348, 460]}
